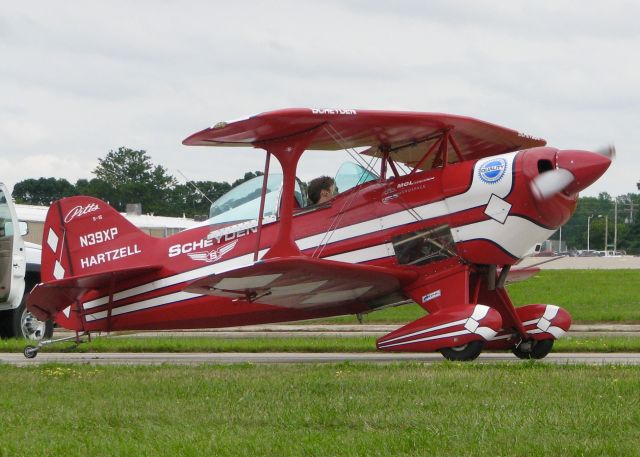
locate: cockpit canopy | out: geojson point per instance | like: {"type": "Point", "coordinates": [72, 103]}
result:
{"type": "Point", "coordinates": [242, 203]}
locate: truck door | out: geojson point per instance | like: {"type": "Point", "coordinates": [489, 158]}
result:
{"type": "Point", "coordinates": [12, 255]}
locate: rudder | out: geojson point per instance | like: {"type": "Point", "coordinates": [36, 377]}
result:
{"type": "Point", "coordinates": [85, 236]}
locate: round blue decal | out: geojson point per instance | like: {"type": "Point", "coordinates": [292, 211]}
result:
{"type": "Point", "coordinates": [492, 170]}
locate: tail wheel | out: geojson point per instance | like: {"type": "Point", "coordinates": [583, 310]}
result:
{"type": "Point", "coordinates": [533, 349]}
{"type": "Point", "coordinates": [464, 353]}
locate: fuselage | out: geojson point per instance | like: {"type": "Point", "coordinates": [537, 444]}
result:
{"type": "Point", "coordinates": [479, 212]}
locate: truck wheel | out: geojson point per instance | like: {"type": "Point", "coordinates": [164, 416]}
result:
{"type": "Point", "coordinates": [26, 325]}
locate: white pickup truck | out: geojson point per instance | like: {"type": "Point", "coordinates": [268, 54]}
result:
{"type": "Point", "coordinates": [19, 272]}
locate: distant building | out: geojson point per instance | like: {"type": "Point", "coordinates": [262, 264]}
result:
{"type": "Point", "coordinates": [158, 226]}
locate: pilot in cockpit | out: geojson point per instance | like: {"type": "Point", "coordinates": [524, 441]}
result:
{"type": "Point", "coordinates": [321, 190]}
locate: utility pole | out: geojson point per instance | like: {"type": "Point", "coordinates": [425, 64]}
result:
{"type": "Point", "coordinates": [615, 227]}
{"type": "Point", "coordinates": [606, 235]}
{"type": "Point", "coordinates": [560, 241]}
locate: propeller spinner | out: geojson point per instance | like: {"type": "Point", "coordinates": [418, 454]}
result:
{"type": "Point", "coordinates": [574, 171]}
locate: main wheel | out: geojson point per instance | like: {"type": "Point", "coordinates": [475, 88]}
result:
{"type": "Point", "coordinates": [533, 349]}
{"type": "Point", "coordinates": [26, 325]}
{"type": "Point", "coordinates": [463, 353]}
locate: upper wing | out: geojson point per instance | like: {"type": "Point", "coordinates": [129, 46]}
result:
{"type": "Point", "coordinates": [303, 282]}
{"type": "Point", "coordinates": [407, 134]}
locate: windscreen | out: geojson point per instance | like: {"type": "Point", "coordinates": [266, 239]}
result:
{"type": "Point", "coordinates": [243, 202]}
{"type": "Point", "coordinates": [351, 175]}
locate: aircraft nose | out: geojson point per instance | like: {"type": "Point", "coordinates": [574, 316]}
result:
{"type": "Point", "coordinates": [585, 166]}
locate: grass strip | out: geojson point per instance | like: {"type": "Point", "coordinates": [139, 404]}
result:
{"type": "Point", "coordinates": [405, 409]}
{"type": "Point", "coordinates": [294, 344]}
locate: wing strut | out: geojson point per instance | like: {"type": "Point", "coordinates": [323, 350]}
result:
{"type": "Point", "coordinates": [288, 153]}
{"type": "Point", "coordinates": [265, 180]}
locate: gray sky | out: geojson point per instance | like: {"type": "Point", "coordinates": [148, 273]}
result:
{"type": "Point", "coordinates": [78, 78]}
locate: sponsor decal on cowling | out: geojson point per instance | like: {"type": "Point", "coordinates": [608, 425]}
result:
{"type": "Point", "coordinates": [491, 171]}
{"type": "Point", "coordinates": [80, 210]}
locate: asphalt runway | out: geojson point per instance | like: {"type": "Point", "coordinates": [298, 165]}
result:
{"type": "Point", "coordinates": [280, 358]}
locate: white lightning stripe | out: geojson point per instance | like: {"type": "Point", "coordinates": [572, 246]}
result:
{"type": "Point", "coordinates": [427, 330]}
{"type": "Point", "coordinates": [144, 304]}
{"type": "Point", "coordinates": [428, 338]}
{"type": "Point", "coordinates": [507, 235]}
{"type": "Point", "coordinates": [220, 267]}
{"type": "Point", "coordinates": [361, 255]}
{"type": "Point", "coordinates": [364, 255]}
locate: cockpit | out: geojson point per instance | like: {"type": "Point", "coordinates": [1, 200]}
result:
{"type": "Point", "coordinates": [242, 203]}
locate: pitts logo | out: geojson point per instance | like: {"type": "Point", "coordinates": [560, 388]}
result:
{"type": "Point", "coordinates": [80, 210]}
{"type": "Point", "coordinates": [492, 171]}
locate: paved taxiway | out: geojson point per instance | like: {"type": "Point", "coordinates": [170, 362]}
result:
{"type": "Point", "coordinates": [236, 358]}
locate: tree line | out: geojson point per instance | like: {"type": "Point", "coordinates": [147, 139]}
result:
{"type": "Point", "coordinates": [596, 215]}
{"type": "Point", "coordinates": [128, 176]}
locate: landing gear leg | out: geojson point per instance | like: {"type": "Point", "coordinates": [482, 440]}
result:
{"type": "Point", "coordinates": [31, 351]}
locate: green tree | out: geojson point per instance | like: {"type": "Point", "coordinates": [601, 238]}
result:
{"type": "Point", "coordinates": [42, 191]}
{"type": "Point", "coordinates": [136, 180]}
{"type": "Point", "coordinates": [97, 188]}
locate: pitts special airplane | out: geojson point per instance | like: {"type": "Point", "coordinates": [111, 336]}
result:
{"type": "Point", "coordinates": [454, 204]}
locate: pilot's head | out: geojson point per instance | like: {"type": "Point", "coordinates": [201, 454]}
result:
{"type": "Point", "coordinates": [321, 190]}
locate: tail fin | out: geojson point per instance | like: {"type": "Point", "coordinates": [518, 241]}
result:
{"type": "Point", "coordinates": [85, 236]}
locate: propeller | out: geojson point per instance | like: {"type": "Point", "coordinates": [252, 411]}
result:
{"type": "Point", "coordinates": [608, 151]}
{"type": "Point", "coordinates": [549, 183]}
{"type": "Point", "coordinates": [575, 170]}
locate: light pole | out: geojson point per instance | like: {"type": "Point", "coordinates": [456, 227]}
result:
{"type": "Point", "coordinates": [606, 232]}
{"type": "Point", "coordinates": [606, 235]}
{"type": "Point", "coordinates": [615, 227]}
{"type": "Point", "coordinates": [588, 227]}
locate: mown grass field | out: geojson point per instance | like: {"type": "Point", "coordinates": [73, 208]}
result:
{"type": "Point", "coordinates": [589, 295]}
{"type": "Point", "coordinates": [524, 409]}
{"type": "Point", "coordinates": [293, 344]}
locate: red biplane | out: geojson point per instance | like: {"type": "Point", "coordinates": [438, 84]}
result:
{"type": "Point", "coordinates": [452, 204]}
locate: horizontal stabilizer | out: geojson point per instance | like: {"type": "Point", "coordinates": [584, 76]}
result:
{"type": "Point", "coordinates": [47, 299]}
{"type": "Point", "coordinates": [304, 282]}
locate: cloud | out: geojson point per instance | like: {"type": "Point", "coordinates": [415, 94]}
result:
{"type": "Point", "coordinates": [147, 74]}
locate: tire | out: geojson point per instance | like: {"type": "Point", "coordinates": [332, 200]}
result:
{"type": "Point", "coordinates": [30, 352]}
{"type": "Point", "coordinates": [536, 350]}
{"type": "Point", "coordinates": [464, 353]}
{"type": "Point", "coordinates": [25, 325]}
